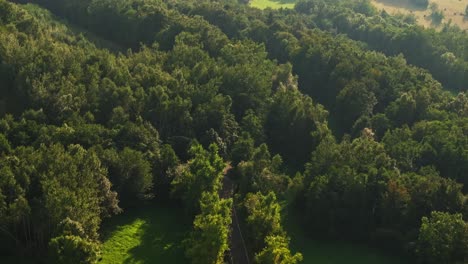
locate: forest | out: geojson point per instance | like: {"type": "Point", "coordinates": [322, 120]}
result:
{"type": "Point", "coordinates": [226, 125]}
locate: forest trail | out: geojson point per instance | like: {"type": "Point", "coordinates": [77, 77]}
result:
{"type": "Point", "coordinates": [238, 250]}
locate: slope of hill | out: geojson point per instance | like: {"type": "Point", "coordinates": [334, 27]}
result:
{"type": "Point", "coordinates": [137, 130]}
{"type": "Point", "coordinates": [453, 10]}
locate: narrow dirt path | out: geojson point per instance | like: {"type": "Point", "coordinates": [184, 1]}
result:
{"type": "Point", "coordinates": [238, 250]}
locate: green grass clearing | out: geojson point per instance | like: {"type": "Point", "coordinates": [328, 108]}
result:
{"type": "Point", "coordinates": [274, 4]}
{"type": "Point", "coordinates": [150, 234]}
{"type": "Point", "coordinates": [326, 252]}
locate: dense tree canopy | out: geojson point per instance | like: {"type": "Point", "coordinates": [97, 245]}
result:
{"type": "Point", "coordinates": [443, 238]}
{"type": "Point", "coordinates": [355, 118]}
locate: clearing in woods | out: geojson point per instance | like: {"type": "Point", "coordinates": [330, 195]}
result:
{"type": "Point", "coordinates": [143, 235]}
{"type": "Point", "coordinates": [453, 10]}
{"type": "Point", "coordinates": [275, 4]}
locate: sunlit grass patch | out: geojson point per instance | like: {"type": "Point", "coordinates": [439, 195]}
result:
{"type": "Point", "coordinates": [275, 4]}
{"type": "Point", "coordinates": [147, 235]}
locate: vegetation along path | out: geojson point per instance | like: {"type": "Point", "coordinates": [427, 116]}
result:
{"type": "Point", "coordinates": [238, 250]}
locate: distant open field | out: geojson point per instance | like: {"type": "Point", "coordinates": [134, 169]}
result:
{"type": "Point", "coordinates": [452, 10]}
{"type": "Point", "coordinates": [275, 4]}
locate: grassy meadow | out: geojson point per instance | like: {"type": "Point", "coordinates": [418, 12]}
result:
{"type": "Point", "coordinates": [151, 234]}
{"type": "Point", "coordinates": [275, 4]}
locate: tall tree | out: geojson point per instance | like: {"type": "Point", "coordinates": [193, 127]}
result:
{"type": "Point", "coordinates": [210, 237]}
{"type": "Point", "coordinates": [203, 173]}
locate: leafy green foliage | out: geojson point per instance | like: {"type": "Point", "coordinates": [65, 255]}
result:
{"type": "Point", "coordinates": [264, 216]}
{"type": "Point", "coordinates": [266, 235]}
{"type": "Point", "coordinates": [353, 184]}
{"type": "Point", "coordinates": [262, 173]}
{"type": "Point", "coordinates": [209, 239]}
{"type": "Point", "coordinates": [115, 98]}
{"type": "Point", "coordinates": [201, 174]}
{"type": "Point", "coordinates": [5, 147]}
{"type": "Point", "coordinates": [73, 249]}
{"type": "Point", "coordinates": [443, 238]}
{"type": "Point", "coordinates": [277, 252]}
{"type": "Point", "coordinates": [52, 184]}
{"type": "Point", "coordinates": [291, 121]}
{"type": "Point", "coordinates": [436, 143]}
{"type": "Point", "coordinates": [130, 172]}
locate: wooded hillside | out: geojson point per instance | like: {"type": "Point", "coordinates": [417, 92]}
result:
{"type": "Point", "coordinates": [354, 118]}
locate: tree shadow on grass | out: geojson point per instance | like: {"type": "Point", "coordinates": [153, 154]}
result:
{"type": "Point", "coordinates": [160, 235]}
{"type": "Point", "coordinates": [333, 251]}
{"type": "Point", "coordinates": [161, 241]}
